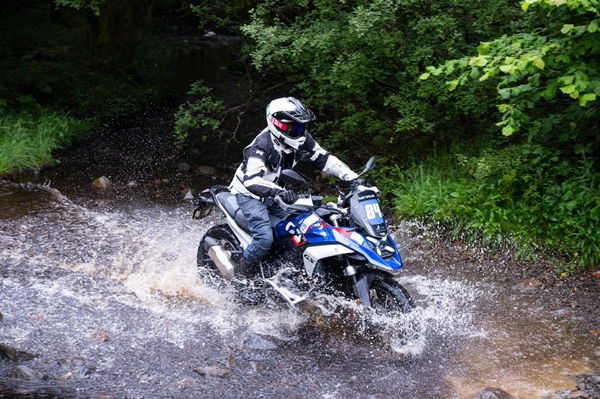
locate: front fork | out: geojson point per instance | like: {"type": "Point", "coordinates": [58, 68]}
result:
{"type": "Point", "coordinates": [360, 282]}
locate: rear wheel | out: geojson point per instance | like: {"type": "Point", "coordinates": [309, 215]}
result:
{"type": "Point", "coordinates": [225, 238]}
{"type": "Point", "coordinates": [387, 295]}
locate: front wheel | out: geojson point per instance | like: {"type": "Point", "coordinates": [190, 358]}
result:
{"type": "Point", "coordinates": [388, 295]}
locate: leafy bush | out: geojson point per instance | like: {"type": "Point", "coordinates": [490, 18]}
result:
{"type": "Point", "coordinates": [357, 62]}
{"type": "Point", "coordinates": [553, 64]}
{"type": "Point", "coordinates": [525, 193]}
{"type": "Point", "coordinates": [542, 186]}
{"type": "Point", "coordinates": [203, 111]}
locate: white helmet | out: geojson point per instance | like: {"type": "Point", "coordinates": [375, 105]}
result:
{"type": "Point", "coordinates": [286, 118]}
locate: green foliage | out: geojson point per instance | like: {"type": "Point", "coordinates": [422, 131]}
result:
{"type": "Point", "coordinates": [525, 192]}
{"type": "Point", "coordinates": [28, 139]}
{"type": "Point", "coordinates": [548, 79]}
{"type": "Point", "coordinates": [551, 66]}
{"type": "Point", "coordinates": [228, 15]}
{"type": "Point", "coordinates": [356, 61]}
{"type": "Point", "coordinates": [93, 5]}
{"type": "Point", "coordinates": [203, 111]}
{"type": "Point", "coordinates": [427, 189]}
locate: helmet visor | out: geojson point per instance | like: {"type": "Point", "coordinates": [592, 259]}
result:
{"type": "Point", "coordinates": [291, 129]}
{"type": "Point", "coordinates": [295, 129]}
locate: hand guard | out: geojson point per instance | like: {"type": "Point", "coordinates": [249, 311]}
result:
{"type": "Point", "coordinates": [357, 182]}
{"type": "Point", "coordinates": [288, 196]}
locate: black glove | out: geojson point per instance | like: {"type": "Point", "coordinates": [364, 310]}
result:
{"type": "Point", "coordinates": [357, 182]}
{"type": "Point", "coordinates": [288, 196]}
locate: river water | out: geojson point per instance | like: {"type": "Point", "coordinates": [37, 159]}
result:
{"type": "Point", "coordinates": [101, 286]}
{"type": "Point", "coordinates": [109, 300]}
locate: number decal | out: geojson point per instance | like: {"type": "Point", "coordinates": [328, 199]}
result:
{"type": "Point", "coordinates": [373, 211]}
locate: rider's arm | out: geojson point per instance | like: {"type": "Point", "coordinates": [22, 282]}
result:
{"type": "Point", "coordinates": [253, 178]}
{"type": "Point", "coordinates": [326, 161]}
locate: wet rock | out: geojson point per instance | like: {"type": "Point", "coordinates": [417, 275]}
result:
{"type": "Point", "coordinates": [493, 393]}
{"type": "Point", "coordinates": [530, 284]}
{"type": "Point", "coordinates": [164, 180]}
{"type": "Point", "coordinates": [232, 361]}
{"type": "Point", "coordinates": [183, 167]}
{"type": "Point", "coordinates": [206, 170]}
{"type": "Point", "coordinates": [257, 342]}
{"type": "Point", "coordinates": [209, 35]}
{"type": "Point", "coordinates": [187, 383]}
{"type": "Point", "coordinates": [14, 355]}
{"type": "Point", "coordinates": [1, 316]}
{"type": "Point", "coordinates": [213, 371]}
{"type": "Point", "coordinates": [99, 336]}
{"type": "Point", "coordinates": [71, 374]}
{"type": "Point", "coordinates": [25, 373]}
{"type": "Point", "coordinates": [257, 367]}
{"type": "Point", "coordinates": [101, 182]}
{"type": "Point", "coordinates": [578, 394]}
{"type": "Point", "coordinates": [187, 193]}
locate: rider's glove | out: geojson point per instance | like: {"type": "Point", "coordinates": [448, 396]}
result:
{"type": "Point", "coordinates": [357, 182]}
{"type": "Point", "coordinates": [288, 196]}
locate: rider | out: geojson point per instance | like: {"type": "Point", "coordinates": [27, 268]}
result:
{"type": "Point", "coordinates": [281, 145]}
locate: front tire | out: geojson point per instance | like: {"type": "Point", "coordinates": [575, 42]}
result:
{"type": "Point", "coordinates": [387, 295]}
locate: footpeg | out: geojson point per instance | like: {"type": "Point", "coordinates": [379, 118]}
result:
{"type": "Point", "coordinates": [278, 284]}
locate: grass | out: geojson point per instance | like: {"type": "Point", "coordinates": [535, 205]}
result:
{"type": "Point", "coordinates": [28, 140]}
{"type": "Point", "coordinates": [499, 199]}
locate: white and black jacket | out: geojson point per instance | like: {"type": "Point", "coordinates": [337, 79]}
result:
{"type": "Point", "coordinates": [266, 157]}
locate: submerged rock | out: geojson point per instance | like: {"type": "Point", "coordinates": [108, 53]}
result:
{"type": "Point", "coordinates": [257, 342]}
{"type": "Point", "coordinates": [493, 393]}
{"type": "Point", "coordinates": [25, 373]}
{"type": "Point", "coordinates": [578, 395]}
{"type": "Point", "coordinates": [14, 355]}
{"type": "Point", "coordinates": [99, 336]}
{"type": "Point", "coordinates": [101, 182]}
{"type": "Point", "coordinates": [183, 167]}
{"type": "Point", "coordinates": [206, 170]}
{"type": "Point", "coordinates": [213, 371]}
{"type": "Point", "coordinates": [530, 284]}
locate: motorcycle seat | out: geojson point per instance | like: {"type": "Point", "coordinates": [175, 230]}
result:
{"type": "Point", "coordinates": [231, 206]}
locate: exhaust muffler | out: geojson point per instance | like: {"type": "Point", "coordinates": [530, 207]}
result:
{"type": "Point", "coordinates": [221, 257]}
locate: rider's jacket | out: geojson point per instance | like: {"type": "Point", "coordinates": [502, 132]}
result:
{"type": "Point", "coordinates": [266, 157]}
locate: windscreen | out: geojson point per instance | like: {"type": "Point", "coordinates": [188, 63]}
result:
{"type": "Point", "coordinates": [367, 212]}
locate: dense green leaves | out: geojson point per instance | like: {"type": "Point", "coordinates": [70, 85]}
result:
{"type": "Point", "coordinates": [363, 65]}
{"type": "Point", "coordinates": [357, 62]}
{"type": "Point", "coordinates": [201, 111]}
{"type": "Point", "coordinates": [552, 65]}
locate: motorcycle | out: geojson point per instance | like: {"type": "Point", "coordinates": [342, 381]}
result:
{"type": "Point", "coordinates": [341, 247]}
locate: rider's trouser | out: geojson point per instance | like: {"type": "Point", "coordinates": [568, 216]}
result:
{"type": "Point", "coordinates": [257, 213]}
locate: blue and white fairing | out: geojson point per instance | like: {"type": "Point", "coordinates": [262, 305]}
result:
{"type": "Point", "coordinates": [309, 230]}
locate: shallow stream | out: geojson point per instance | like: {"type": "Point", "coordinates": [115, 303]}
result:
{"type": "Point", "coordinates": [110, 303]}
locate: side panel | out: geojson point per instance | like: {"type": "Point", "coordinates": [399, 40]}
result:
{"type": "Point", "coordinates": [313, 254]}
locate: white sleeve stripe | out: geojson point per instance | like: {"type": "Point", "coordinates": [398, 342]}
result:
{"type": "Point", "coordinates": [254, 166]}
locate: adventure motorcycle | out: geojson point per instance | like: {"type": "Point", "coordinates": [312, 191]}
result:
{"type": "Point", "coordinates": [341, 247]}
